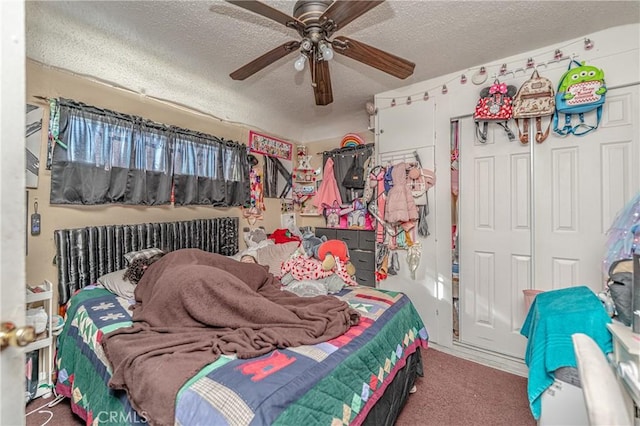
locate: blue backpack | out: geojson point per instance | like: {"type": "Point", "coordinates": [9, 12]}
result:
{"type": "Point", "coordinates": [581, 89]}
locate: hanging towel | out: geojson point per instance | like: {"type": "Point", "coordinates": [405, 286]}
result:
{"type": "Point", "coordinates": [553, 317]}
{"type": "Point", "coordinates": [328, 191]}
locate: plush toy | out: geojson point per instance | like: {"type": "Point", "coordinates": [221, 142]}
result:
{"type": "Point", "coordinates": [310, 243]}
{"type": "Point", "coordinates": [252, 237]}
{"type": "Point", "coordinates": [327, 251]}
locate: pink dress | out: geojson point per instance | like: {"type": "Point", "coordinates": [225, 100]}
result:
{"type": "Point", "coordinates": [328, 191]}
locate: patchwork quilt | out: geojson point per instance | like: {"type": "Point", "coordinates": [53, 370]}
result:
{"type": "Point", "coordinates": [330, 383]}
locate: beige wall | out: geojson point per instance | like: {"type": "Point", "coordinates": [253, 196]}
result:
{"type": "Point", "coordinates": [50, 83]}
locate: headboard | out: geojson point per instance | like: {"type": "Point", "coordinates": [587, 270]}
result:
{"type": "Point", "coordinates": [84, 254]}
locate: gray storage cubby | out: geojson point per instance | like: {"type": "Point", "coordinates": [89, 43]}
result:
{"type": "Point", "coordinates": [362, 250]}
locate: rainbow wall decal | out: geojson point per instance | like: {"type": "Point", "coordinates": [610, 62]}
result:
{"type": "Point", "coordinates": [351, 140]}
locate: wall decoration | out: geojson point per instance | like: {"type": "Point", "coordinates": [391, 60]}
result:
{"type": "Point", "coordinates": [270, 146]}
{"type": "Point", "coordinates": [351, 140]}
{"type": "Point", "coordinates": [33, 139]}
{"type": "Point", "coordinates": [277, 177]}
{"type": "Point", "coordinates": [277, 164]}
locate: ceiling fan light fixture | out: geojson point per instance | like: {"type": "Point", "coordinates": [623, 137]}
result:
{"type": "Point", "coordinates": [299, 63]}
{"type": "Point", "coordinates": [306, 44]}
{"type": "Point", "coordinates": [326, 51]}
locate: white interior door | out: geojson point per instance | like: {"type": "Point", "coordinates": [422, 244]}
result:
{"type": "Point", "coordinates": [582, 182]}
{"type": "Point", "coordinates": [494, 222]}
{"type": "Point", "coordinates": [12, 208]}
{"type": "Point", "coordinates": [401, 130]}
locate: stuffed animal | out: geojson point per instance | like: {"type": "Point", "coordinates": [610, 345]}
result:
{"type": "Point", "coordinates": [327, 251]}
{"type": "Point", "coordinates": [310, 243]}
{"type": "Point", "coordinates": [252, 237]}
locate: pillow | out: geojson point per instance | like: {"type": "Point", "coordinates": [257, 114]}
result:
{"type": "Point", "coordinates": [253, 251]}
{"type": "Point", "coordinates": [274, 255]}
{"type": "Point", "coordinates": [117, 285]}
{"type": "Point", "coordinates": [142, 254]}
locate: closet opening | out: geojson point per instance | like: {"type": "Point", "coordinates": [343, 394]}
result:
{"type": "Point", "coordinates": [455, 282]}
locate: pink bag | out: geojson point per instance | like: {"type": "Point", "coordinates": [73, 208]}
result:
{"type": "Point", "coordinates": [494, 105]}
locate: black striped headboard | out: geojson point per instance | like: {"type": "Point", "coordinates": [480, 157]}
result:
{"type": "Point", "coordinates": [84, 254]}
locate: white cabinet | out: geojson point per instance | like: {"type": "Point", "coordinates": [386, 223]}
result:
{"type": "Point", "coordinates": [44, 340]}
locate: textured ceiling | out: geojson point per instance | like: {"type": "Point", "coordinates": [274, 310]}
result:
{"type": "Point", "coordinates": [184, 51]}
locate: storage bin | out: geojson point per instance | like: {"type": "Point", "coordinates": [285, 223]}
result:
{"type": "Point", "coordinates": [529, 295]}
{"type": "Point", "coordinates": [32, 375]}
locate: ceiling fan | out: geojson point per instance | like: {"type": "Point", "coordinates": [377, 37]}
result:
{"type": "Point", "coordinates": [316, 21]}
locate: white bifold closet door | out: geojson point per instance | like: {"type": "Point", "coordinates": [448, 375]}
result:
{"type": "Point", "coordinates": [536, 217]}
{"type": "Point", "coordinates": [494, 220]}
{"type": "Point", "coordinates": [582, 183]}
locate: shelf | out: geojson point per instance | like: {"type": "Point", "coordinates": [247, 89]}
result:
{"type": "Point", "coordinates": [38, 344]}
{"type": "Point", "coordinates": [43, 295]}
{"type": "Point", "coordinates": [311, 214]}
{"type": "Point", "coordinates": [44, 344]}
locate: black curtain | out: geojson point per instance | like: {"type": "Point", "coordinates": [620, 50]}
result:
{"type": "Point", "coordinates": [210, 171]}
{"type": "Point", "coordinates": [343, 160]}
{"type": "Point", "coordinates": [105, 157]}
{"type": "Point", "coordinates": [101, 157]}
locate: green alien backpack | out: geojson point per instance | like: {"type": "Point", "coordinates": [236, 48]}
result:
{"type": "Point", "coordinates": [582, 89]}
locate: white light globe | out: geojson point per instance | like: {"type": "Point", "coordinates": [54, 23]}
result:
{"type": "Point", "coordinates": [327, 52]}
{"type": "Point", "coordinates": [299, 63]}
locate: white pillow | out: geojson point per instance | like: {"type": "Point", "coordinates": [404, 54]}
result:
{"type": "Point", "coordinates": [118, 285]}
{"type": "Point", "coordinates": [274, 255]}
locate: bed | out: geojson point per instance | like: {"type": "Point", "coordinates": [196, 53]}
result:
{"type": "Point", "coordinates": [360, 377]}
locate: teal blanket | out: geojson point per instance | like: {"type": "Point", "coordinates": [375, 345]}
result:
{"type": "Point", "coordinates": [553, 317]}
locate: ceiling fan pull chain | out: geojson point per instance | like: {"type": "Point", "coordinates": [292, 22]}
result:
{"type": "Point", "coordinates": [313, 71]}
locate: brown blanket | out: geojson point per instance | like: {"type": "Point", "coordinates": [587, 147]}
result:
{"type": "Point", "coordinates": [192, 306]}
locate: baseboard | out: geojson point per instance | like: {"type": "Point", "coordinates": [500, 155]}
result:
{"type": "Point", "coordinates": [490, 359]}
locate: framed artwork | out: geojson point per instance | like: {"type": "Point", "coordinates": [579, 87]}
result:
{"type": "Point", "coordinates": [270, 146]}
{"type": "Point", "coordinates": [33, 140]}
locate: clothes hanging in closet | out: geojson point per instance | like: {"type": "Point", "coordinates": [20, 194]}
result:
{"type": "Point", "coordinates": [343, 160]}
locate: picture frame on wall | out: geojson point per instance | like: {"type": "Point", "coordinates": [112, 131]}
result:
{"type": "Point", "coordinates": [270, 146]}
{"type": "Point", "coordinates": [277, 164]}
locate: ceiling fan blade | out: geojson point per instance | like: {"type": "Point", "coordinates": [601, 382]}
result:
{"type": "Point", "coordinates": [268, 12]}
{"type": "Point", "coordinates": [264, 60]}
{"type": "Point", "coordinates": [373, 57]}
{"type": "Point", "coordinates": [341, 12]}
{"type": "Point", "coordinates": [321, 81]}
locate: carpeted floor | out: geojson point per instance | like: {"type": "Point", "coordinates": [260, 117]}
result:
{"type": "Point", "coordinates": [453, 392]}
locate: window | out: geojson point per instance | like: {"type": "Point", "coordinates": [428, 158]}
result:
{"type": "Point", "coordinates": [103, 157]}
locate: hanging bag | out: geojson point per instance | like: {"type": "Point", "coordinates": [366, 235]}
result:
{"type": "Point", "coordinates": [581, 89]}
{"type": "Point", "coordinates": [535, 99]}
{"type": "Point", "coordinates": [495, 104]}
{"type": "Point", "coordinates": [354, 179]}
